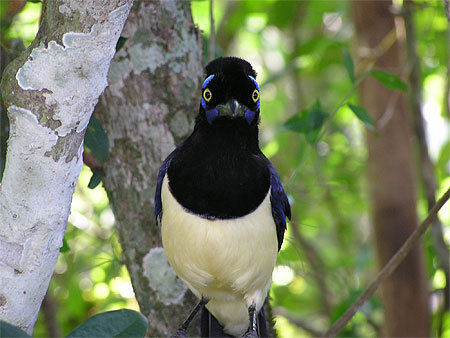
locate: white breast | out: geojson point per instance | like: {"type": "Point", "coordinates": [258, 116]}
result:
{"type": "Point", "coordinates": [228, 261]}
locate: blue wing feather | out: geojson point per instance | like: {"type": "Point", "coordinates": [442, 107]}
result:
{"type": "Point", "coordinates": [159, 180]}
{"type": "Point", "coordinates": [280, 203]}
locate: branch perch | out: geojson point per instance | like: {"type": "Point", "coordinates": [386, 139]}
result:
{"type": "Point", "coordinates": [389, 268]}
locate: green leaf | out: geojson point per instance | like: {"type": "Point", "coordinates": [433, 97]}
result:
{"type": "Point", "coordinates": [96, 141]}
{"type": "Point", "coordinates": [390, 80]}
{"type": "Point", "coordinates": [120, 43]}
{"type": "Point", "coordinates": [65, 246]}
{"type": "Point", "coordinates": [120, 323]}
{"type": "Point", "coordinates": [362, 115]}
{"type": "Point", "coordinates": [8, 330]}
{"type": "Point", "coordinates": [349, 65]}
{"type": "Point", "coordinates": [296, 123]}
{"type": "Point", "coordinates": [309, 122]}
{"type": "Point", "coordinates": [96, 178]}
{"type": "Point", "coordinates": [3, 9]}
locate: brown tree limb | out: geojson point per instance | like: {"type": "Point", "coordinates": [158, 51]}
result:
{"type": "Point", "coordinates": [49, 310]}
{"type": "Point", "coordinates": [425, 165]}
{"type": "Point", "coordinates": [389, 268]}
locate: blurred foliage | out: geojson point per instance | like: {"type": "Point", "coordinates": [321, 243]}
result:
{"type": "Point", "coordinates": [303, 52]}
{"type": "Point", "coordinates": [118, 323]}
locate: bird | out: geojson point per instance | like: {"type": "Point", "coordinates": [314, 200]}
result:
{"type": "Point", "coordinates": [221, 206]}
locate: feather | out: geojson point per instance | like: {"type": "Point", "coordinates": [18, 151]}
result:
{"type": "Point", "coordinates": [280, 203]}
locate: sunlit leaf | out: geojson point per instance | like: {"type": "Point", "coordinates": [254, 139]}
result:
{"type": "Point", "coordinates": [349, 65]}
{"type": "Point", "coordinates": [3, 8]}
{"type": "Point", "coordinates": [120, 323]}
{"type": "Point", "coordinates": [8, 330]}
{"type": "Point", "coordinates": [65, 246]}
{"type": "Point", "coordinates": [362, 114]}
{"type": "Point", "coordinates": [390, 80]}
{"type": "Point", "coordinates": [444, 156]}
{"type": "Point", "coordinates": [309, 122]}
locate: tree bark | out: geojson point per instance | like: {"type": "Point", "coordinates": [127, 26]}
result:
{"type": "Point", "coordinates": [50, 91]}
{"type": "Point", "coordinates": [392, 177]}
{"type": "Point", "coordinates": [148, 108]}
{"type": "Point", "coordinates": [425, 165]}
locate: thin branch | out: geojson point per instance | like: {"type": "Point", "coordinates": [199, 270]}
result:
{"type": "Point", "coordinates": [317, 267]}
{"type": "Point", "coordinates": [364, 68]}
{"type": "Point", "coordinates": [49, 310]}
{"type": "Point", "coordinates": [426, 167]}
{"type": "Point", "coordinates": [212, 32]}
{"type": "Point", "coordinates": [323, 131]}
{"type": "Point", "coordinates": [389, 268]}
{"type": "Point", "coordinates": [447, 10]}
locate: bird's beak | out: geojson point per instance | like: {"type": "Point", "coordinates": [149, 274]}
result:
{"type": "Point", "coordinates": [231, 108]}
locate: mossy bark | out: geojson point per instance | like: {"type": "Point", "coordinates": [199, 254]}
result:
{"type": "Point", "coordinates": [148, 108]}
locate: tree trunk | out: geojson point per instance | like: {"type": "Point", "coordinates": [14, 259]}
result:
{"type": "Point", "coordinates": [50, 91]}
{"type": "Point", "coordinates": [148, 108]}
{"type": "Point", "coordinates": [392, 177]}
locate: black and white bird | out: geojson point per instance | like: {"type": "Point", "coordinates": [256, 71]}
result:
{"type": "Point", "coordinates": [222, 207]}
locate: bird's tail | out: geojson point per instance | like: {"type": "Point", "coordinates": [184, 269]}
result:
{"type": "Point", "coordinates": [210, 327]}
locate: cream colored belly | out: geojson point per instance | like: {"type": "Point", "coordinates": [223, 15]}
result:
{"type": "Point", "coordinates": [229, 262]}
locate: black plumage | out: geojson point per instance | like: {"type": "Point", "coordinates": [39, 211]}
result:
{"type": "Point", "coordinates": [219, 172]}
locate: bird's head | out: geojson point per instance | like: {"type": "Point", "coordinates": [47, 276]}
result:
{"type": "Point", "coordinates": [230, 91]}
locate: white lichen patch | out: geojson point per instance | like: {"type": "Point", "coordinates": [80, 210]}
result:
{"type": "Point", "coordinates": [149, 52]}
{"type": "Point", "coordinates": [162, 278]}
{"type": "Point", "coordinates": [10, 254]}
{"type": "Point", "coordinates": [156, 55]}
{"type": "Point", "coordinates": [37, 188]}
{"type": "Point", "coordinates": [32, 180]}
{"type": "Point", "coordinates": [146, 58]}
{"type": "Point", "coordinates": [73, 75]}
{"type": "Point", "coordinates": [35, 197]}
{"type": "Point", "coordinates": [179, 124]}
{"type": "Point", "coordinates": [85, 8]}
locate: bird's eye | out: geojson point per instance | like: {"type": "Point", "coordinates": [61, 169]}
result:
{"type": "Point", "coordinates": [255, 95]}
{"type": "Point", "coordinates": [207, 95]}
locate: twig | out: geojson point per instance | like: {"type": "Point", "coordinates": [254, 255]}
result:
{"type": "Point", "coordinates": [212, 31]}
{"type": "Point", "coordinates": [317, 266]}
{"type": "Point", "coordinates": [49, 310]}
{"type": "Point", "coordinates": [389, 268]}
{"type": "Point", "coordinates": [426, 165]}
{"type": "Point", "coordinates": [342, 103]}
{"type": "Point", "coordinates": [447, 10]}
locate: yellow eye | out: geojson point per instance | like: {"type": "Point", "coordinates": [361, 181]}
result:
{"type": "Point", "coordinates": [207, 95]}
{"type": "Point", "coordinates": [255, 95]}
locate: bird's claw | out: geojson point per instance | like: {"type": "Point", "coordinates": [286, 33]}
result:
{"type": "Point", "coordinates": [179, 334]}
{"type": "Point", "coordinates": [251, 334]}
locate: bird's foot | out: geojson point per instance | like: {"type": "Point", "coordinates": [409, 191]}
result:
{"type": "Point", "coordinates": [181, 333]}
{"type": "Point", "coordinates": [250, 334]}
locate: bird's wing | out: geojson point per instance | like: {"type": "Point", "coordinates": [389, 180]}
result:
{"type": "Point", "coordinates": [280, 203]}
{"type": "Point", "coordinates": [159, 180]}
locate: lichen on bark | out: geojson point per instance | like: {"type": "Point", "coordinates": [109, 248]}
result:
{"type": "Point", "coordinates": [50, 91]}
{"type": "Point", "coordinates": [148, 108]}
